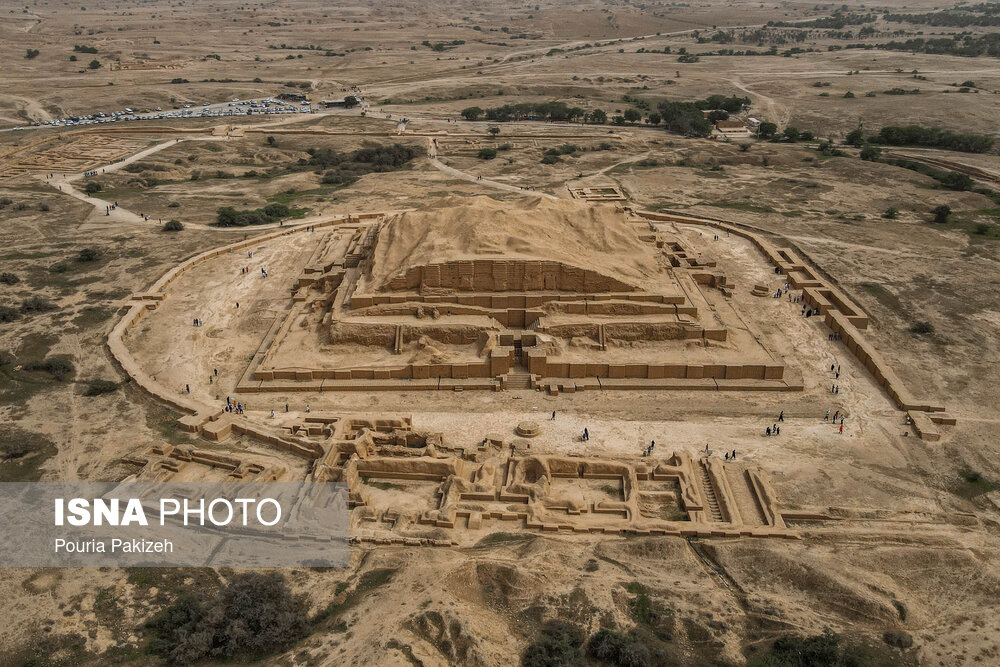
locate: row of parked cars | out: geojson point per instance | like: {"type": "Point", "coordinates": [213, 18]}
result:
{"type": "Point", "coordinates": [236, 107]}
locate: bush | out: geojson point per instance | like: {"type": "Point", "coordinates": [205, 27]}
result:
{"type": "Point", "coordinates": [173, 226]}
{"type": "Point", "coordinates": [8, 278]}
{"type": "Point", "coordinates": [615, 648]}
{"type": "Point", "coordinates": [93, 187]}
{"type": "Point", "coordinates": [31, 53]}
{"type": "Point", "coordinates": [825, 650]}
{"type": "Point", "coordinates": [8, 314]}
{"type": "Point", "coordinates": [98, 387]}
{"type": "Point", "coordinates": [898, 639]}
{"type": "Point", "coordinates": [227, 216]}
{"type": "Point", "coordinates": [891, 213]}
{"type": "Point", "coordinates": [252, 616]}
{"type": "Point", "coordinates": [89, 255]}
{"type": "Point", "coordinates": [922, 327]}
{"type": "Point", "coordinates": [36, 304]}
{"type": "Point", "coordinates": [44, 207]}
{"type": "Point", "coordinates": [941, 213]}
{"type": "Point", "coordinates": [58, 367]}
{"type": "Point", "coordinates": [94, 64]}
{"type": "Point", "coordinates": [558, 644]}
{"type": "Point", "coordinates": [871, 153]}
{"type": "Point", "coordinates": [486, 153]}
{"type": "Point", "coordinates": [981, 229]}
{"type": "Point", "coordinates": [551, 159]}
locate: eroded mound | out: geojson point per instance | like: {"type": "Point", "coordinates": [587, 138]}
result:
{"type": "Point", "coordinates": [595, 238]}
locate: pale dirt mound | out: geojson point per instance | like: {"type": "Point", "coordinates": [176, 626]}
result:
{"type": "Point", "coordinates": [593, 237]}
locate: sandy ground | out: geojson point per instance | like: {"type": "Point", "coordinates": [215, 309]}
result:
{"type": "Point", "coordinates": [916, 549]}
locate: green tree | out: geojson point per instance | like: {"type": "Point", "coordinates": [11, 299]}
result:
{"type": "Point", "coordinates": [653, 118]}
{"type": "Point", "coordinates": [632, 116]}
{"type": "Point", "coordinates": [891, 213]}
{"type": "Point", "coordinates": [941, 213]}
{"type": "Point", "coordinates": [94, 64]}
{"type": "Point", "coordinates": [472, 113]}
{"type": "Point", "coordinates": [792, 134]}
{"type": "Point", "coordinates": [855, 138]}
{"type": "Point", "coordinates": [494, 130]}
{"type": "Point", "coordinates": [31, 53]}
{"type": "Point", "coordinates": [486, 153]}
{"type": "Point", "coordinates": [766, 130]}
{"type": "Point", "coordinates": [871, 153]}
{"type": "Point", "coordinates": [598, 117]}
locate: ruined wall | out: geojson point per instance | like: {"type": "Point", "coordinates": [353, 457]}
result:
{"type": "Point", "coordinates": [489, 275]}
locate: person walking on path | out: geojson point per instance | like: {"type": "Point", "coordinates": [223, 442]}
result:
{"type": "Point", "coordinates": [781, 416]}
{"type": "Point", "coordinates": [586, 434]}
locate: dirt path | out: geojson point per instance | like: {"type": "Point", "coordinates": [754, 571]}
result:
{"type": "Point", "coordinates": [465, 176]}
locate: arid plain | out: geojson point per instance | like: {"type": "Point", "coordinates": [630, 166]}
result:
{"type": "Point", "coordinates": [437, 292]}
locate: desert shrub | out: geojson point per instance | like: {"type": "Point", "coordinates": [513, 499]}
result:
{"type": "Point", "coordinates": [897, 638]}
{"type": "Point", "coordinates": [227, 216]}
{"type": "Point", "coordinates": [93, 187]}
{"type": "Point", "coordinates": [558, 644]}
{"type": "Point", "coordinates": [44, 207]}
{"type": "Point", "coordinates": [486, 153]}
{"type": "Point", "coordinates": [617, 649]}
{"type": "Point", "coordinates": [981, 229]}
{"type": "Point", "coordinates": [824, 650]}
{"type": "Point", "coordinates": [891, 213]}
{"type": "Point", "coordinates": [8, 278]}
{"type": "Point", "coordinates": [941, 213]}
{"type": "Point", "coordinates": [871, 153]}
{"type": "Point", "coordinates": [36, 304]}
{"type": "Point", "coordinates": [173, 226]}
{"type": "Point", "coordinates": [174, 204]}
{"type": "Point", "coordinates": [59, 367]}
{"type": "Point", "coordinates": [252, 616]}
{"type": "Point", "coordinates": [922, 327]}
{"type": "Point", "coordinates": [89, 255]}
{"type": "Point", "coordinates": [551, 159]}
{"type": "Point", "coordinates": [8, 314]}
{"type": "Point", "coordinates": [98, 387]}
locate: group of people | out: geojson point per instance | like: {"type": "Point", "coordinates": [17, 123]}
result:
{"type": "Point", "coordinates": [235, 407]}
{"type": "Point", "coordinates": [109, 208]}
{"type": "Point", "coordinates": [649, 450]}
{"type": "Point", "coordinates": [198, 322]}
{"type": "Point", "coordinates": [834, 420]}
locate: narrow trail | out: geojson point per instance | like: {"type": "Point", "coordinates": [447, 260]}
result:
{"type": "Point", "coordinates": [64, 184]}
{"type": "Point", "coordinates": [465, 176]}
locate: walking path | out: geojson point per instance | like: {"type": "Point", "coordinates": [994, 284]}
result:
{"type": "Point", "coordinates": [432, 155]}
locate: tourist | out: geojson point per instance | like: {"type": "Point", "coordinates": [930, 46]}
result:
{"type": "Point", "coordinates": [553, 415]}
{"type": "Point", "coordinates": [733, 457]}
{"type": "Point", "coordinates": [781, 416]}
{"type": "Point", "coordinates": [586, 434]}
{"type": "Point", "coordinates": [841, 429]}
{"type": "Point", "coordinates": [767, 431]}
{"type": "Point", "coordinates": [187, 388]}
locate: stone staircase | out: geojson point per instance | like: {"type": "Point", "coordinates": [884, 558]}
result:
{"type": "Point", "coordinates": [711, 501]}
{"type": "Point", "coordinates": [518, 381]}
